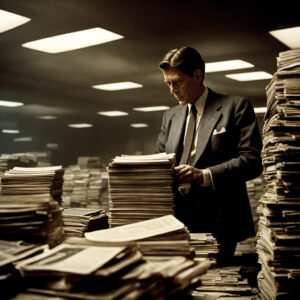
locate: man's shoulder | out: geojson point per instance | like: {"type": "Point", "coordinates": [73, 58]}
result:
{"type": "Point", "coordinates": [225, 99]}
{"type": "Point", "coordinates": [174, 110]}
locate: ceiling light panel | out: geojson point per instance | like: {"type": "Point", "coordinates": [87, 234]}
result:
{"type": "Point", "coordinates": [288, 36]}
{"type": "Point", "coordinates": [250, 76]}
{"type": "Point", "coordinates": [125, 85]}
{"type": "Point", "coordinates": [138, 125]}
{"type": "Point", "coordinates": [10, 103]}
{"type": "Point", "coordinates": [73, 40]}
{"type": "Point", "coordinates": [112, 113]}
{"type": "Point", "coordinates": [52, 145]}
{"type": "Point", "coordinates": [10, 20]}
{"type": "Point", "coordinates": [10, 131]}
{"type": "Point", "coordinates": [47, 117]}
{"type": "Point", "coordinates": [23, 139]}
{"type": "Point", "coordinates": [151, 108]}
{"type": "Point", "coordinates": [227, 65]}
{"type": "Point", "coordinates": [80, 125]}
{"type": "Point", "coordinates": [260, 110]}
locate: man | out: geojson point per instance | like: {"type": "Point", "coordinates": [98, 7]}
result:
{"type": "Point", "coordinates": [216, 154]}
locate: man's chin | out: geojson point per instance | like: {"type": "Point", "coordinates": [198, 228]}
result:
{"type": "Point", "coordinates": [182, 102]}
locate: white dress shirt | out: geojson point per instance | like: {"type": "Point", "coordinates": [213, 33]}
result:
{"type": "Point", "coordinates": [199, 104]}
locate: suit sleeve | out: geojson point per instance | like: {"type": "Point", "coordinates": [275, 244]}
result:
{"type": "Point", "coordinates": [246, 163]}
{"type": "Point", "coordinates": [161, 140]}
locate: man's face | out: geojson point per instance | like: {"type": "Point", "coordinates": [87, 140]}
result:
{"type": "Point", "coordinates": [182, 86]}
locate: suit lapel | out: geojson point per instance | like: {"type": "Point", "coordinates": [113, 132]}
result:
{"type": "Point", "coordinates": [177, 130]}
{"type": "Point", "coordinates": [208, 121]}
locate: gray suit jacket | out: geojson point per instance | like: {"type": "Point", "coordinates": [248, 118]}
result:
{"type": "Point", "coordinates": [229, 144]}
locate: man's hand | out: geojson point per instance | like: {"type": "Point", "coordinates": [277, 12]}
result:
{"type": "Point", "coordinates": [188, 174]}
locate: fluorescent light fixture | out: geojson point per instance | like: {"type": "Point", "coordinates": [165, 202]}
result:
{"type": "Point", "coordinates": [73, 40]}
{"type": "Point", "coordinates": [227, 65]}
{"type": "Point", "coordinates": [47, 117]}
{"type": "Point", "coordinates": [112, 113]}
{"type": "Point", "coordinates": [151, 108]}
{"type": "Point", "coordinates": [51, 145]}
{"type": "Point", "coordinates": [80, 125]}
{"type": "Point", "coordinates": [10, 131]}
{"type": "Point", "coordinates": [23, 139]}
{"type": "Point", "coordinates": [250, 76]}
{"type": "Point", "coordinates": [125, 85]}
{"type": "Point", "coordinates": [260, 110]}
{"type": "Point", "coordinates": [10, 20]}
{"type": "Point", "coordinates": [10, 103]}
{"type": "Point", "coordinates": [289, 36]}
{"type": "Point", "coordinates": [138, 125]}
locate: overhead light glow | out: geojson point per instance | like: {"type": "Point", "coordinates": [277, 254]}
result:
{"type": "Point", "coordinates": [227, 65]}
{"type": "Point", "coordinates": [23, 139]}
{"type": "Point", "coordinates": [10, 131]}
{"type": "Point", "coordinates": [47, 117]}
{"type": "Point", "coordinates": [260, 110]}
{"type": "Point", "coordinates": [151, 108]}
{"type": "Point", "coordinates": [138, 125]}
{"type": "Point", "coordinates": [10, 20]}
{"type": "Point", "coordinates": [51, 145]}
{"type": "Point", "coordinates": [80, 125]}
{"type": "Point", "coordinates": [73, 40]}
{"type": "Point", "coordinates": [113, 113]}
{"type": "Point", "coordinates": [10, 103]}
{"type": "Point", "coordinates": [289, 36]}
{"type": "Point", "coordinates": [125, 85]}
{"type": "Point", "coordinates": [250, 76]}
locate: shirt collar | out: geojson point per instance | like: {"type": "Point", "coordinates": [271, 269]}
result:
{"type": "Point", "coordinates": [200, 103]}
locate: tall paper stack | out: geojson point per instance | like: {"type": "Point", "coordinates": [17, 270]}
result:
{"type": "Point", "coordinates": [85, 187]}
{"type": "Point", "coordinates": [140, 187]}
{"type": "Point", "coordinates": [30, 205]}
{"type": "Point", "coordinates": [279, 223]}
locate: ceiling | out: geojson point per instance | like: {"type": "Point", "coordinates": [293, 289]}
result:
{"type": "Point", "coordinates": [60, 84]}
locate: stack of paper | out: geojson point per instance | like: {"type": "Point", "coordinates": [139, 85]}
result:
{"type": "Point", "coordinates": [10, 253]}
{"type": "Point", "coordinates": [89, 162]}
{"type": "Point", "coordinates": [79, 191]}
{"type": "Point", "coordinates": [30, 205]}
{"type": "Point", "coordinates": [30, 181]}
{"type": "Point", "coordinates": [246, 249]}
{"type": "Point", "coordinates": [279, 224]}
{"type": "Point", "coordinates": [77, 221]}
{"type": "Point", "coordinates": [227, 281]}
{"type": "Point", "coordinates": [9, 161]}
{"type": "Point", "coordinates": [206, 247]}
{"type": "Point", "coordinates": [13, 251]}
{"type": "Point", "coordinates": [140, 187]}
{"type": "Point", "coordinates": [85, 187]}
{"type": "Point", "coordinates": [255, 189]}
{"type": "Point", "coordinates": [68, 186]}
{"type": "Point", "coordinates": [94, 188]}
{"type": "Point", "coordinates": [81, 270]}
{"type": "Point", "coordinates": [158, 239]}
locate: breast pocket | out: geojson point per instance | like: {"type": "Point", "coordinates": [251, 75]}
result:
{"type": "Point", "coordinates": [222, 144]}
{"type": "Point", "coordinates": [219, 138]}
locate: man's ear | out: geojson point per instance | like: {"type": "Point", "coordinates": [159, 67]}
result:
{"type": "Point", "coordinates": [198, 75]}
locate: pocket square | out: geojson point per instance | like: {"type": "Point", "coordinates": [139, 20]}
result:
{"type": "Point", "coordinates": [222, 130]}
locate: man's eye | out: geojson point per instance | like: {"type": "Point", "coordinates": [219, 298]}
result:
{"type": "Point", "coordinates": [174, 82]}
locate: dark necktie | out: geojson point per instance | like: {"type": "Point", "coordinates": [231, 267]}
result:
{"type": "Point", "coordinates": [189, 137]}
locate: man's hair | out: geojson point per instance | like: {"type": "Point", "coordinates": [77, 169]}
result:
{"type": "Point", "coordinates": [186, 59]}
